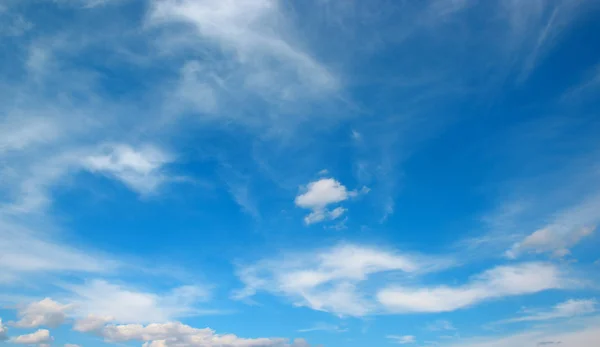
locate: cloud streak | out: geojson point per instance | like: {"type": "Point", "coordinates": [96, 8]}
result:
{"type": "Point", "coordinates": [498, 282]}
{"type": "Point", "coordinates": [567, 309]}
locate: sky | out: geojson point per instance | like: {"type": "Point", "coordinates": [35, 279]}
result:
{"type": "Point", "coordinates": [319, 173]}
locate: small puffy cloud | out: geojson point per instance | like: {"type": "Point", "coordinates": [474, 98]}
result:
{"type": "Point", "coordinates": [46, 312]}
{"type": "Point", "coordinates": [3, 331]}
{"type": "Point", "coordinates": [175, 334]}
{"type": "Point", "coordinates": [568, 309]}
{"type": "Point", "coordinates": [553, 239]}
{"type": "Point", "coordinates": [71, 345]}
{"type": "Point", "coordinates": [402, 340]}
{"type": "Point", "coordinates": [91, 323]}
{"type": "Point", "coordinates": [141, 169]}
{"type": "Point", "coordinates": [321, 193]}
{"type": "Point", "coordinates": [318, 195]}
{"type": "Point", "coordinates": [501, 281]}
{"type": "Point", "coordinates": [42, 336]}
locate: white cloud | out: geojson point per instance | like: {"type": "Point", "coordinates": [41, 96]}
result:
{"type": "Point", "coordinates": [92, 323]}
{"type": "Point", "coordinates": [440, 325]}
{"type": "Point", "coordinates": [174, 334]}
{"type": "Point", "coordinates": [323, 327]}
{"type": "Point", "coordinates": [3, 331]}
{"type": "Point", "coordinates": [336, 212]}
{"type": "Point", "coordinates": [327, 280]}
{"type": "Point", "coordinates": [567, 229]}
{"type": "Point", "coordinates": [586, 88]}
{"type": "Point", "coordinates": [141, 169]}
{"type": "Point", "coordinates": [264, 57]}
{"type": "Point", "coordinates": [21, 133]}
{"type": "Point", "coordinates": [567, 309]}
{"type": "Point", "coordinates": [402, 340]}
{"type": "Point", "coordinates": [501, 281]}
{"type": "Point", "coordinates": [25, 252]}
{"type": "Point", "coordinates": [322, 193]}
{"type": "Point", "coordinates": [553, 240]}
{"type": "Point", "coordinates": [46, 312]}
{"type": "Point", "coordinates": [584, 333]}
{"type": "Point", "coordinates": [317, 216]}
{"type": "Point", "coordinates": [41, 336]}
{"type": "Point", "coordinates": [71, 345]}
{"type": "Point", "coordinates": [196, 90]}
{"type": "Point", "coordinates": [105, 300]}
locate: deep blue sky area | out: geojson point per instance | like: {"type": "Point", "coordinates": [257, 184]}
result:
{"type": "Point", "coordinates": [266, 173]}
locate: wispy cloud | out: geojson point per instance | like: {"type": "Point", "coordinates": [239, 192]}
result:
{"type": "Point", "coordinates": [567, 229]}
{"type": "Point", "coordinates": [440, 325]}
{"type": "Point", "coordinates": [402, 340]}
{"type": "Point", "coordinates": [580, 333]}
{"type": "Point", "coordinates": [265, 59]}
{"type": "Point", "coordinates": [568, 309]}
{"type": "Point", "coordinates": [327, 279]}
{"type": "Point", "coordinates": [498, 282]}
{"type": "Point", "coordinates": [26, 254]}
{"type": "Point", "coordinates": [124, 304]}
{"type": "Point", "coordinates": [324, 327]}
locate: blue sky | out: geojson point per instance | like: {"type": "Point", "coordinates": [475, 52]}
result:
{"type": "Point", "coordinates": [263, 173]}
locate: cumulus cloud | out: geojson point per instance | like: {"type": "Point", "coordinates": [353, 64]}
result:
{"type": "Point", "coordinates": [46, 312]}
{"type": "Point", "coordinates": [402, 340]}
{"type": "Point", "coordinates": [108, 301]}
{"type": "Point", "coordinates": [71, 345]}
{"type": "Point", "coordinates": [318, 195]}
{"type": "Point", "coordinates": [141, 169]}
{"type": "Point", "coordinates": [329, 279]}
{"type": "Point", "coordinates": [567, 309]}
{"type": "Point", "coordinates": [42, 336]}
{"type": "Point", "coordinates": [501, 281]}
{"type": "Point", "coordinates": [175, 334]}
